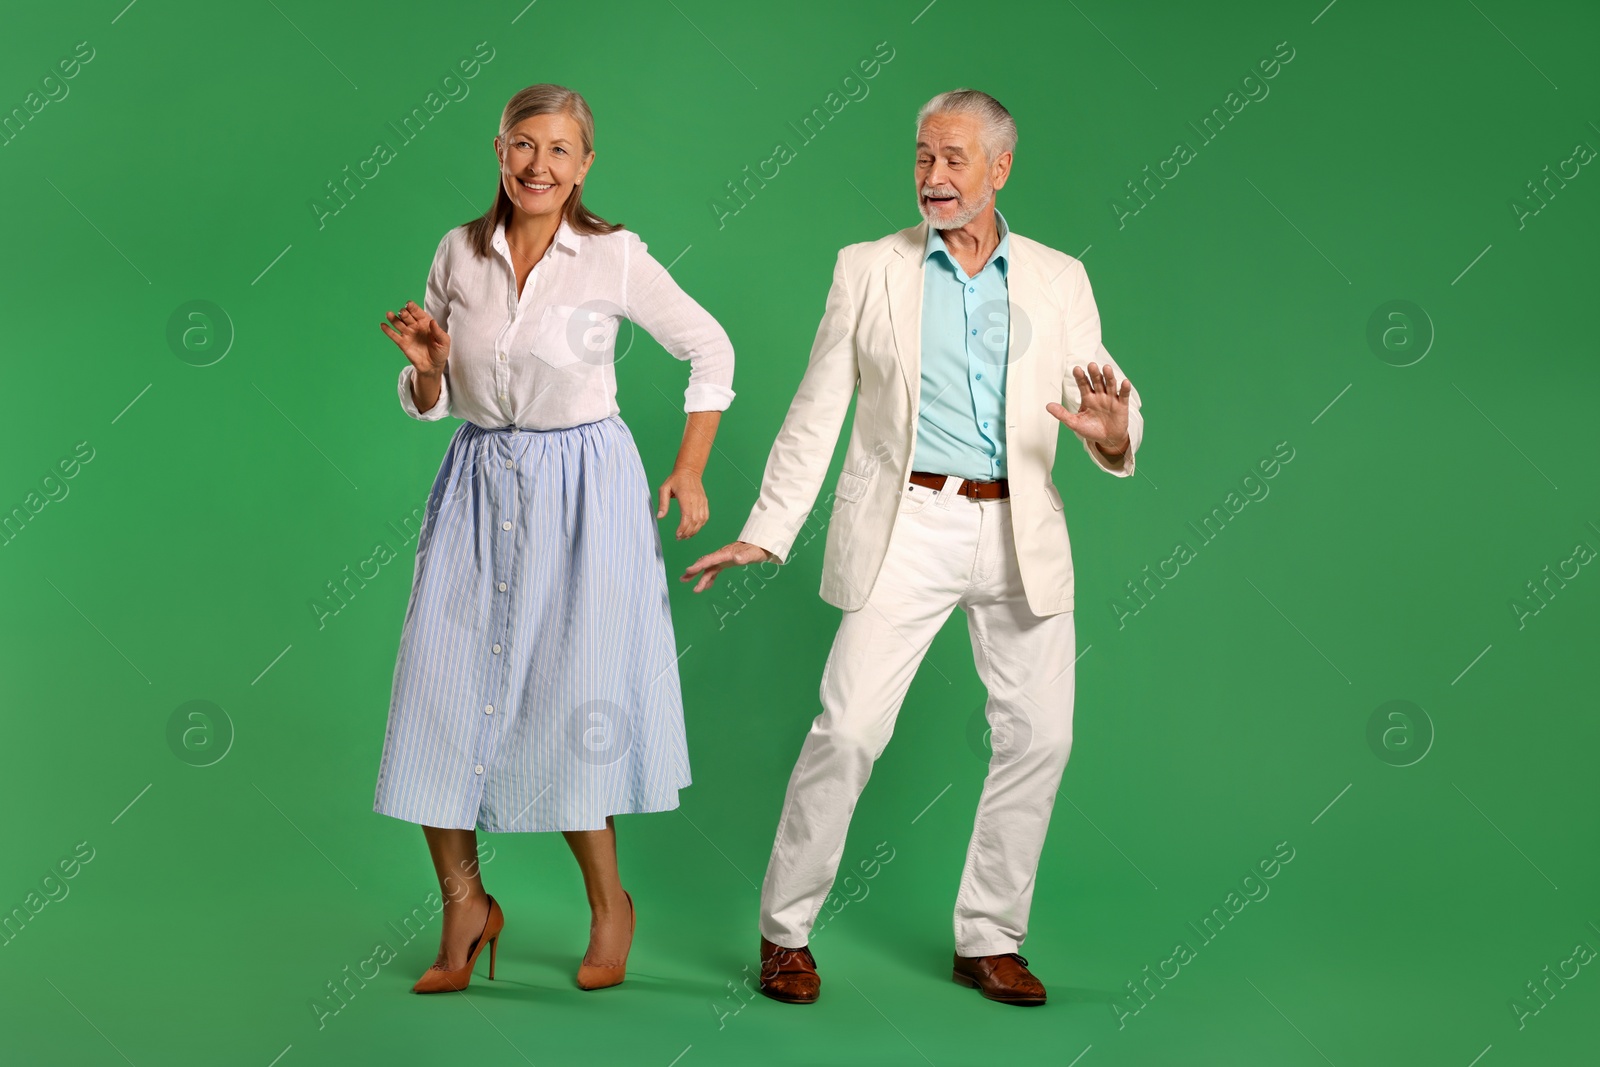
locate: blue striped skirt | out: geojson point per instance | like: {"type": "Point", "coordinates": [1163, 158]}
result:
{"type": "Point", "coordinates": [536, 685]}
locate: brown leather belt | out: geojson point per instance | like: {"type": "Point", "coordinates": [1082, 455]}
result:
{"type": "Point", "coordinates": [979, 490]}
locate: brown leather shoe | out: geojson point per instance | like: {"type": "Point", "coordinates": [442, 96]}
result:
{"type": "Point", "coordinates": [1005, 978]}
{"type": "Point", "coordinates": [789, 974]}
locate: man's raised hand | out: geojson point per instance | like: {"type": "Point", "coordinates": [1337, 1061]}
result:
{"type": "Point", "coordinates": [1102, 415]}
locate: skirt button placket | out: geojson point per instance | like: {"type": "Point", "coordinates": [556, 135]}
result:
{"type": "Point", "coordinates": [499, 615]}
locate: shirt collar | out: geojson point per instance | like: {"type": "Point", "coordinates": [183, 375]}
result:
{"type": "Point", "coordinates": [1002, 252]}
{"type": "Point", "coordinates": [566, 237]}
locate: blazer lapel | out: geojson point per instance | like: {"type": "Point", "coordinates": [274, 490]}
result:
{"type": "Point", "coordinates": [903, 281]}
{"type": "Point", "coordinates": [1026, 393]}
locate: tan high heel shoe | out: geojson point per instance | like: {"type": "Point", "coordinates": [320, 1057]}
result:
{"type": "Point", "coordinates": [600, 975]}
{"type": "Point", "coordinates": [437, 979]}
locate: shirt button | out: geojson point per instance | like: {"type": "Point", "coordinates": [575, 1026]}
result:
{"type": "Point", "coordinates": [488, 709]}
{"type": "Point", "coordinates": [509, 464]}
{"type": "Point", "coordinates": [974, 333]}
{"type": "Point", "coordinates": [478, 769]}
{"type": "Point", "coordinates": [986, 426]}
{"type": "Point", "coordinates": [970, 289]}
{"type": "Point", "coordinates": [502, 587]}
{"type": "Point", "coordinates": [977, 376]}
{"type": "Point", "coordinates": [506, 525]}
{"type": "Point", "coordinates": [497, 647]}
{"type": "Point", "coordinates": [502, 357]}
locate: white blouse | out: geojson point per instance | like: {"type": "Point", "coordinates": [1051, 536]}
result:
{"type": "Point", "coordinates": [546, 360]}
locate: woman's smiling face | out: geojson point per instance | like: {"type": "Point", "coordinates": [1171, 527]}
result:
{"type": "Point", "coordinates": [541, 160]}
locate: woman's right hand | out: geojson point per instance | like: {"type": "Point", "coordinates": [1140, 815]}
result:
{"type": "Point", "coordinates": [420, 337]}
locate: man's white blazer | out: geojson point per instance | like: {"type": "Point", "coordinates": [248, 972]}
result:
{"type": "Point", "coordinates": [869, 346]}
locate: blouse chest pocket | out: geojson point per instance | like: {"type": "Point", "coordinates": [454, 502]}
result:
{"type": "Point", "coordinates": [567, 335]}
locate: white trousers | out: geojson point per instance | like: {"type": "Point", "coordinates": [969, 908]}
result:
{"type": "Point", "coordinates": [946, 550]}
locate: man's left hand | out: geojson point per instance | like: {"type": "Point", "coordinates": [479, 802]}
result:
{"type": "Point", "coordinates": [1102, 415]}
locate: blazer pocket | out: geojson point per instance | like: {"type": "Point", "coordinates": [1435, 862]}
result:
{"type": "Point", "coordinates": [1054, 494]}
{"type": "Point", "coordinates": [553, 340]}
{"type": "Point", "coordinates": [851, 486]}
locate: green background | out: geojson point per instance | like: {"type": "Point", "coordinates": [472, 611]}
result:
{"type": "Point", "coordinates": [1231, 713]}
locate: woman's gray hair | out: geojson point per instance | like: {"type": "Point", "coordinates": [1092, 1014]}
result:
{"type": "Point", "coordinates": [997, 130]}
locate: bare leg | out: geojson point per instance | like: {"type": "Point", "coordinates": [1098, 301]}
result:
{"type": "Point", "coordinates": [466, 905]}
{"type": "Point", "coordinates": [596, 853]}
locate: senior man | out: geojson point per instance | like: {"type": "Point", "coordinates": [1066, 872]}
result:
{"type": "Point", "coordinates": [969, 346]}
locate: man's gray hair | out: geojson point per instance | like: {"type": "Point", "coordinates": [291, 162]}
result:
{"type": "Point", "coordinates": [997, 129]}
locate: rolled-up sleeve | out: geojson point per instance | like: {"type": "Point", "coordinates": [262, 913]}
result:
{"type": "Point", "coordinates": [653, 300]}
{"type": "Point", "coordinates": [441, 407]}
{"type": "Point", "coordinates": [435, 303]}
{"type": "Point", "coordinates": [1084, 347]}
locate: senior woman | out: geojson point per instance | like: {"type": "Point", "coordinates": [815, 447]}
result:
{"type": "Point", "coordinates": [536, 684]}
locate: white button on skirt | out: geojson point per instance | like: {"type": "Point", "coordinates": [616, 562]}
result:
{"type": "Point", "coordinates": [540, 592]}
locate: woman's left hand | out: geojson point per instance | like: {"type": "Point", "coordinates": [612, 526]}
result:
{"type": "Point", "coordinates": [693, 509]}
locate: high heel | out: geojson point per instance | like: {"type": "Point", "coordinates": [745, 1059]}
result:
{"type": "Point", "coordinates": [598, 976]}
{"type": "Point", "coordinates": [437, 979]}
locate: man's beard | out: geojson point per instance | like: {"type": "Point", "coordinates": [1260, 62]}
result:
{"type": "Point", "coordinates": [962, 218]}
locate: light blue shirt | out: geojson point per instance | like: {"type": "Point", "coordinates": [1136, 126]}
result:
{"type": "Point", "coordinates": [966, 325]}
